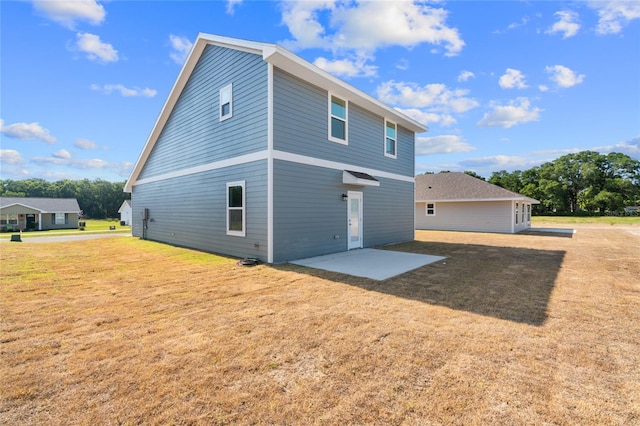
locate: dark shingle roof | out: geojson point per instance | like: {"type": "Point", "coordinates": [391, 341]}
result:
{"type": "Point", "coordinates": [456, 186]}
{"type": "Point", "coordinates": [45, 205]}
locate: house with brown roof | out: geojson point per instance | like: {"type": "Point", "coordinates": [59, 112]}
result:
{"type": "Point", "coordinates": [460, 202]}
{"type": "Point", "coordinates": [27, 213]}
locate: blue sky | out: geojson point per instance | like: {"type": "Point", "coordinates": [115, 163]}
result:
{"type": "Point", "coordinates": [501, 85]}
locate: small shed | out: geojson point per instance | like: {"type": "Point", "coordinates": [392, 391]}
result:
{"type": "Point", "coordinates": [125, 213]}
{"type": "Point", "coordinates": [26, 213]}
{"type": "Point", "coordinates": [460, 202]}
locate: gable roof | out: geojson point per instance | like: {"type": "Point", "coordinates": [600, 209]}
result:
{"type": "Point", "coordinates": [44, 205]}
{"type": "Point", "coordinates": [280, 58]}
{"type": "Point", "coordinates": [455, 186]}
{"type": "Point", "coordinates": [125, 203]}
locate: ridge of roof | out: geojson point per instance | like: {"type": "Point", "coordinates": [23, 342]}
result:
{"type": "Point", "coordinates": [458, 186]}
{"type": "Point", "coordinates": [279, 57]}
{"type": "Point", "coordinates": [44, 204]}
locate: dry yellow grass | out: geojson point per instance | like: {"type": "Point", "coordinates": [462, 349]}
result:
{"type": "Point", "coordinates": [509, 329]}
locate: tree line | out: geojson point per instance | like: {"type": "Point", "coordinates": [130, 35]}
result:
{"type": "Point", "coordinates": [586, 181]}
{"type": "Point", "coordinates": [98, 199]}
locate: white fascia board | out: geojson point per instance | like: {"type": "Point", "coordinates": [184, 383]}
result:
{"type": "Point", "coordinates": [25, 206]}
{"type": "Point", "coordinates": [293, 64]}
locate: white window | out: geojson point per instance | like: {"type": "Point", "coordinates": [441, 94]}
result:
{"type": "Point", "coordinates": [430, 209]}
{"type": "Point", "coordinates": [59, 218]}
{"type": "Point", "coordinates": [390, 139]}
{"type": "Point", "coordinates": [517, 206]}
{"type": "Point", "coordinates": [226, 102]}
{"type": "Point", "coordinates": [236, 219]}
{"type": "Point", "coordinates": [338, 114]}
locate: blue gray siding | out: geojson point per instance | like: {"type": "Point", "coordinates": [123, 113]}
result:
{"type": "Point", "coordinates": [190, 211]}
{"type": "Point", "coordinates": [194, 134]}
{"type": "Point", "coordinates": [309, 211]}
{"type": "Point", "coordinates": [301, 127]}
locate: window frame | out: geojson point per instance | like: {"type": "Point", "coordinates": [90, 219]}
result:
{"type": "Point", "coordinates": [228, 88]}
{"type": "Point", "coordinates": [426, 209]}
{"type": "Point", "coordinates": [62, 216]}
{"type": "Point", "coordinates": [394, 139]}
{"type": "Point", "coordinates": [332, 138]}
{"type": "Point", "coordinates": [243, 232]}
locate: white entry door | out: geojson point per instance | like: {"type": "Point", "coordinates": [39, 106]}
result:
{"type": "Point", "coordinates": [354, 220]}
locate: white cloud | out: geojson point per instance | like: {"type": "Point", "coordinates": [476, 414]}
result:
{"type": "Point", "coordinates": [499, 162]}
{"type": "Point", "coordinates": [512, 79]}
{"type": "Point", "coordinates": [231, 6]}
{"type": "Point", "coordinates": [347, 67]}
{"type": "Point", "coordinates": [465, 76]}
{"type": "Point", "coordinates": [69, 12]}
{"type": "Point", "coordinates": [629, 147]}
{"type": "Point", "coordinates": [95, 49]}
{"type": "Point", "coordinates": [563, 76]}
{"type": "Point", "coordinates": [27, 131]}
{"type": "Point", "coordinates": [444, 144]}
{"type": "Point", "coordinates": [517, 112]}
{"type": "Point", "coordinates": [614, 15]}
{"type": "Point", "coordinates": [435, 96]}
{"type": "Point", "coordinates": [432, 103]}
{"type": "Point", "coordinates": [59, 159]}
{"type": "Point", "coordinates": [567, 25]}
{"type": "Point", "coordinates": [124, 91]}
{"type": "Point", "coordinates": [85, 144]}
{"type": "Point", "coordinates": [543, 88]}
{"type": "Point", "coordinates": [425, 117]}
{"type": "Point", "coordinates": [10, 156]}
{"type": "Point", "coordinates": [400, 23]}
{"type": "Point", "coordinates": [63, 153]}
{"type": "Point", "coordinates": [180, 48]}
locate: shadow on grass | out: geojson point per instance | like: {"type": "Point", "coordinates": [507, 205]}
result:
{"type": "Point", "coordinates": [508, 283]}
{"type": "Point", "coordinates": [551, 232]}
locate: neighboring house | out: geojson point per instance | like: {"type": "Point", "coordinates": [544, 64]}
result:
{"type": "Point", "coordinates": [460, 202]}
{"type": "Point", "coordinates": [632, 209]}
{"type": "Point", "coordinates": [125, 213]}
{"type": "Point", "coordinates": [258, 153]}
{"type": "Point", "coordinates": [23, 213]}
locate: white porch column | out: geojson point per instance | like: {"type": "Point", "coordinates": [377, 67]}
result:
{"type": "Point", "coordinates": [40, 221]}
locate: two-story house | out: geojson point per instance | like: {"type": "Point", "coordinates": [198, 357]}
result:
{"type": "Point", "coordinates": [258, 153]}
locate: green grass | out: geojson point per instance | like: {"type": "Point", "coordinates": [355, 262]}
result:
{"type": "Point", "coordinates": [602, 220]}
{"type": "Point", "coordinates": [92, 226]}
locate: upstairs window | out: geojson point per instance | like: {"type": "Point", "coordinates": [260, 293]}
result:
{"type": "Point", "coordinates": [337, 120]}
{"type": "Point", "coordinates": [226, 102]}
{"type": "Point", "coordinates": [430, 209]}
{"type": "Point", "coordinates": [235, 209]}
{"type": "Point", "coordinates": [390, 139]}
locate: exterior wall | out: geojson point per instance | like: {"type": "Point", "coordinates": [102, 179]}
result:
{"type": "Point", "coordinates": [194, 134]}
{"type": "Point", "coordinates": [125, 215]}
{"type": "Point", "coordinates": [309, 211]}
{"type": "Point", "coordinates": [19, 213]}
{"type": "Point", "coordinates": [191, 211]}
{"type": "Point", "coordinates": [47, 221]}
{"type": "Point", "coordinates": [480, 216]}
{"type": "Point", "coordinates": [301, 127]}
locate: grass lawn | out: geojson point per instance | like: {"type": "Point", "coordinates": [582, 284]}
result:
{"type": "Point", "coordinates": [509, 329]}
{"type": "Point", "coordinates": [597, 220]}
{"type": "Point", "coordinates": [92, 226]}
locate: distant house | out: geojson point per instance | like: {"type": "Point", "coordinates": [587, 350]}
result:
{"type": "Point", "coordinates": [125, 212]}
{"type": "Point", "coordinates": [258, 153]}
{"type": "Point", "coordinates": [459, 202]}
{"type": "Point", "coordinates": [23, 213]}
